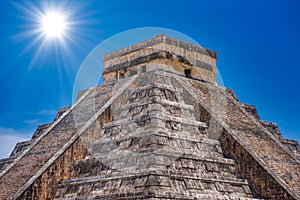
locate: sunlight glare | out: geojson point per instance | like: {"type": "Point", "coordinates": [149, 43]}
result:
{"type": "Point", "coordinates": [52, 29]}
{"type": "Point", "coordinates": [53, 25]}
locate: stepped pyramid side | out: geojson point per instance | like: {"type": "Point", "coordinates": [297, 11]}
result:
{"type": "Point", "coordinates": [158, 128]}
{"type": "Point", "coordinates": [154, 148]}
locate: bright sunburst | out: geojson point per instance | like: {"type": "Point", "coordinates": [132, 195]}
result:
{"type": "Point", "coordinates": [51, 29]}
{"type": "Point", "coordinates": [53, 24]}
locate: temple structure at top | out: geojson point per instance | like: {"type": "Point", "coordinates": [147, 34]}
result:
{"type": "Point", "coordinates": [163, 52]}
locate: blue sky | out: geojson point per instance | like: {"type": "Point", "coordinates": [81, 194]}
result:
{"type": "Point", "coordinates": [257, 43]}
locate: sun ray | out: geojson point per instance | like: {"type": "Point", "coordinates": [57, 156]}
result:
{"type": "Point", "coordinates": [32, 44]}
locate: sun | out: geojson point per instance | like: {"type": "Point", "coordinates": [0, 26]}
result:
{"type": "Point", "coordinates": [53, 25]}
{"type": "Point", "coordinates": [53, 28]}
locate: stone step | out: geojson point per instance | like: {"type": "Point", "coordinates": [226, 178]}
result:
{"type": "Point", "coordinates": [152, 84]}
{"type": "Point", "coordinates": [122, 133]}
{"type": "Point", "coordinates": [198, 196]}
{"type": "Point", "coordinates": [110, 141]}
{"type": "Point", "coordinates": [156, 120]}
{"type": "Point", "coordinates": [181, 162]}
{"type": "Point", "coordinates": [131, 182]}
{"type": "Point", "coordinates": [155, 110]}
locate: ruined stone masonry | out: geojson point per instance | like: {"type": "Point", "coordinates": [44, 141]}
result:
{"type": "Point", "coordinates": [159, 127]}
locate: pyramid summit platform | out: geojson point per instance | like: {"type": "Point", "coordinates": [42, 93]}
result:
{"type": "Point", "coordinates": [159, 127]}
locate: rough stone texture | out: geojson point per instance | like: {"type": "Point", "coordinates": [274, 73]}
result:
{"type": "Point", "coordinates": [38, 154]}
{"type": "Point", "coordinates": [154, 148]}
{"type": "Point", "coordinates": [19, 148]}
{"type": "Point", "coordinates": [44, 187]}
{"type": "Point", "coordinates": [251, 110]}
{"type": "Point", "coordinates": [268, 151]}
{"type": "Point", "coordinates": [158, 128]}
{"type": "Point", "coordinates": [160, 50]}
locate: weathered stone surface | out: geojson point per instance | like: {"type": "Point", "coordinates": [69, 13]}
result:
{"type": "Point", "coordinates": [158, 128]}
{"type": "Point", "coordinates": [266, 150]}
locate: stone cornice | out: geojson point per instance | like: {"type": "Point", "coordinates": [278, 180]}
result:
{"type": "Point", "coordinates": [157, 55]}
{"type": "Point", "coordinates": [160, 39]}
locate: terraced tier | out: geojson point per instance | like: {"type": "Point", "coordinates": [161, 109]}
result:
{"type": "Point", "coordinates": [265, 148]}
{"type": "Point", "coordinates": [50, 141]}
{"type": "Point", "coordinates": [154, 184]}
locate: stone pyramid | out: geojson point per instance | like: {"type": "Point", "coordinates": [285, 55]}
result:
{"type": "Point", "coordinates": [158, 128]}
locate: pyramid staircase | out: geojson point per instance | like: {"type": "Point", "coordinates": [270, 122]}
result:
{"type": "Point", "coordinates": [154, 148]}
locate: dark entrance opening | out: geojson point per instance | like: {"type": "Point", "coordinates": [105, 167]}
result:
{"type": "Point", "coordinates": [188, 73]}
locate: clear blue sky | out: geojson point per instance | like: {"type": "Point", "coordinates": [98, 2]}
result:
{"type": "Point", "coordinates": [257, 43]}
